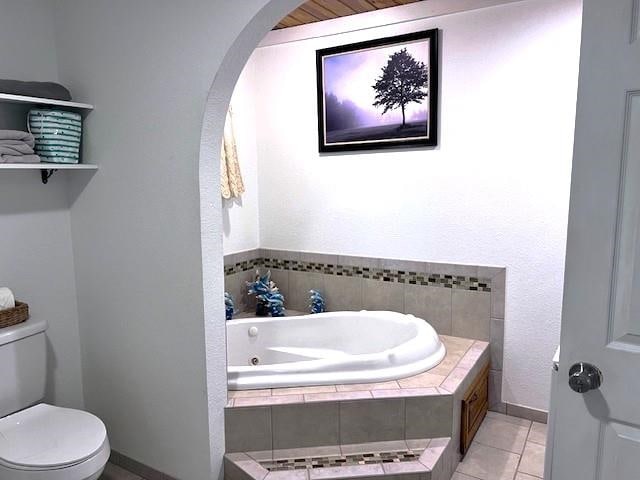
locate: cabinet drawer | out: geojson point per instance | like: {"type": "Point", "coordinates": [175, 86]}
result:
{"type": "Point", "coordinates": [475, 405]}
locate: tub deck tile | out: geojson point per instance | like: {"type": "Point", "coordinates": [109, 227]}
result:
{"type": "Point", "coordinates": [462, 357]}
{"type": "Point", "coordinates": [304, 390]}
{"type": "Point", "coordinates": [250, 393]}
{"type": "Point", "coordinates": [403, 467]}
{"type": "Point", "coordinates": [422, 380]}
{"type": "Point", "coordinates": [355, 387]}
{"type": "Point", "coordinates": [337, 396]}
{"type": "Point", "coordinates": [272, 400]}
{"type": "Point", "coordinates": [454, 379]}
{"type": "Point", "coordinates": [406, 392]}
{"type": "Point", "coordinates": [238, 465]}
{"type": "Point", "coordinates": [353, 471]}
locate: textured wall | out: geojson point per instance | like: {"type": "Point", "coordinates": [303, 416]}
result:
{"type": "Point", "coordinates": [36, 260]}
{"type": "Point", "coordinates": [240, 225]}
{"type": "Point", "coordinates": [148, 259]}
{"type": "Point", "coordinates": [495, 192]}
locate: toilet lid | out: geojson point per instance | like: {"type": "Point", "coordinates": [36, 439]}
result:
{"type": "Point", "coordinates": [45, 436]}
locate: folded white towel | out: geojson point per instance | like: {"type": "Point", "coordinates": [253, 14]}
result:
{"type": "Point", "coordinates": [19, 158]}
{"type": "Point", "coordinates": [17, 148]}
{"type": "Point", "coordinates": [7, 300]}
{"type": "Point", "coordinates": [18, 135]}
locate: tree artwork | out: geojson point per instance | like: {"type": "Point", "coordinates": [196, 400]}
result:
{"type": "Point", "coordinates": [404, 80]}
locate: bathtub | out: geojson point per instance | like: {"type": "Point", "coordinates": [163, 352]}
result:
{"type": "Point", "coordinates": [329, 348]}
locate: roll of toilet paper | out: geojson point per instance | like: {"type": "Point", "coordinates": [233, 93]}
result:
{"type": "Point", "coordinates": [7, 300]}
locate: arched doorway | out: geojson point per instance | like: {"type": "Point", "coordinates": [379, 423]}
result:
{"type": "Point", "coordinates": [211, 211]}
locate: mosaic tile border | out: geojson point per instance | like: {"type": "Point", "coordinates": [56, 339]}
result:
{"type": "Point", "coordinates": [244, 266]}
{"type": "Point", "coordinates": [329, 461]}
{"type": "Point", "coordinates": [457, 282]}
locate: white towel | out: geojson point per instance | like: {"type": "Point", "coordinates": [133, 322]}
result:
{"type": "Point", "coordinates": [15, 147]}
{"type": "Point", "coordinates": [19, 158]}
{"type": "Point", "coordinates": [18, 135]}
{"type": "Point", "coordinates": [7, 300]}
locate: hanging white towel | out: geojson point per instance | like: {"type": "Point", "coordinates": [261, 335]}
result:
{"type": "Point", "coordinates": [230, 175]}
{"type": "Point", "coordinates": [7, 300]}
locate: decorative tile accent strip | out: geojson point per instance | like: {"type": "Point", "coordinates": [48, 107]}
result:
{"type": "Point", "coordinates": [342, 460]}
{"type": "Point", "coordinates": [245, 266]}
{"type": "Point", "coordinates": [383, 274]}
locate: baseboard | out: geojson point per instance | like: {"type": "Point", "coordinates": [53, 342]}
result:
{"type": "Point", "coordinates": [140, 469]}
{"type": "Point", "coordinates": [527, 413]}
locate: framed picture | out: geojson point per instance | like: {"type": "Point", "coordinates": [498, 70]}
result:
{"type": "Point", "coordinates": [379, 94]}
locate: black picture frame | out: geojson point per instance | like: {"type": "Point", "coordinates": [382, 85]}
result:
{"type": "Point", "coordinates": [346, 140]}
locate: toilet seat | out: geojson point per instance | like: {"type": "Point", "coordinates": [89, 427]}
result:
{"type": "Point", "coordinates": [44, 438]}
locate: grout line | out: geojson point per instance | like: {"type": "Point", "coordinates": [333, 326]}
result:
{"type": "Point", "coordinates": [498, 448]}
{"type": "Point", "coordinates": [537, 443]}
{"type": "Point", "coordinates": [273, 443]}
{"type": "Point", "coordinates": [404, 415]}
{"type": "Point", "coordinates": [339, 407]}
{"type": "Point", "coordinates": [523, 448]}
{"type": "Point", "coordinates": [466, 474]}
{"type": "Point", "coordinates": [456, 366]}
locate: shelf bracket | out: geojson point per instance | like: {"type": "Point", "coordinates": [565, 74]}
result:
{"type": "Point", "coordinates": [46, 174]}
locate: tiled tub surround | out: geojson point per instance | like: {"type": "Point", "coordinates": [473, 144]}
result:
{"type": "Point", "coordinates": [290, 423]}
{"type": "Point", "coordinates": [460, 300]}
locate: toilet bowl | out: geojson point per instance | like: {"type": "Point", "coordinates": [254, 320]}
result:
{"type": "Point", "coordinates": [52, 443]}
{"type": "Point", "coordinates": [40, 441]}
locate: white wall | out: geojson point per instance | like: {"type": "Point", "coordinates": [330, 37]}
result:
{"type": "Point", "coordinates": [494, 192]}
{"type": "Point", "coordinates": [240, 219]}
{"type": "Point", "coordinates": [35, 236]}
{"type": "Point", "coordinates": [146, 303]}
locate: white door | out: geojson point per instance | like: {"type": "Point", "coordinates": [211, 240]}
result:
{"type": "Point", "coordinates": [597, 433]}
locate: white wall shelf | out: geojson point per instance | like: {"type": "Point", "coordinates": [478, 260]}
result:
{"type": "Point", "coordinates": [82, 108]}
{"type": "Point", "coordinates": [47, 166]}
{"type": "Point", "coordinates": [47, 169]}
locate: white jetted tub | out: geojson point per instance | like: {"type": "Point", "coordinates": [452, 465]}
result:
{"type": "Point", "coordinates": [329, 348]}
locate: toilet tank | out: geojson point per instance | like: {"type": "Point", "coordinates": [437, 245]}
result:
{"type": "Point", "coordinates": [23, 365]}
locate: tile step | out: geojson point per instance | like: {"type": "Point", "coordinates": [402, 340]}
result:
{"type": "Point", "coordinates": [423, 459]}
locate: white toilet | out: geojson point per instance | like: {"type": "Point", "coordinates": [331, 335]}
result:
{"type": "Point", "coordinates": [40, 441]}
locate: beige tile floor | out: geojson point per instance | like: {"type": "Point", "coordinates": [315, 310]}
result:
{"type": "Point", "coordinates": [505, 448]}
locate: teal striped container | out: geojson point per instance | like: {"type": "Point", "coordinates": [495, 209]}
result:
{"type": "Point", "coordinates": [58, 135]}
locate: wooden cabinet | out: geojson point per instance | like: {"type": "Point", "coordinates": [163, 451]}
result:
{"type": "Point", "coordinates": [475, 405]}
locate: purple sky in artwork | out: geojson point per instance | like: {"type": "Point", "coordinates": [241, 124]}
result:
{"type": "Point", "coordinates": [351, 76]}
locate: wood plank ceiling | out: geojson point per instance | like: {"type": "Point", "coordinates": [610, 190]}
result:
{"type": "Point", "coordinates": [319, 10]}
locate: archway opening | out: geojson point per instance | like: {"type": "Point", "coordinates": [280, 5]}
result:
{"type": "Point", "coordinates": [394, 234]}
